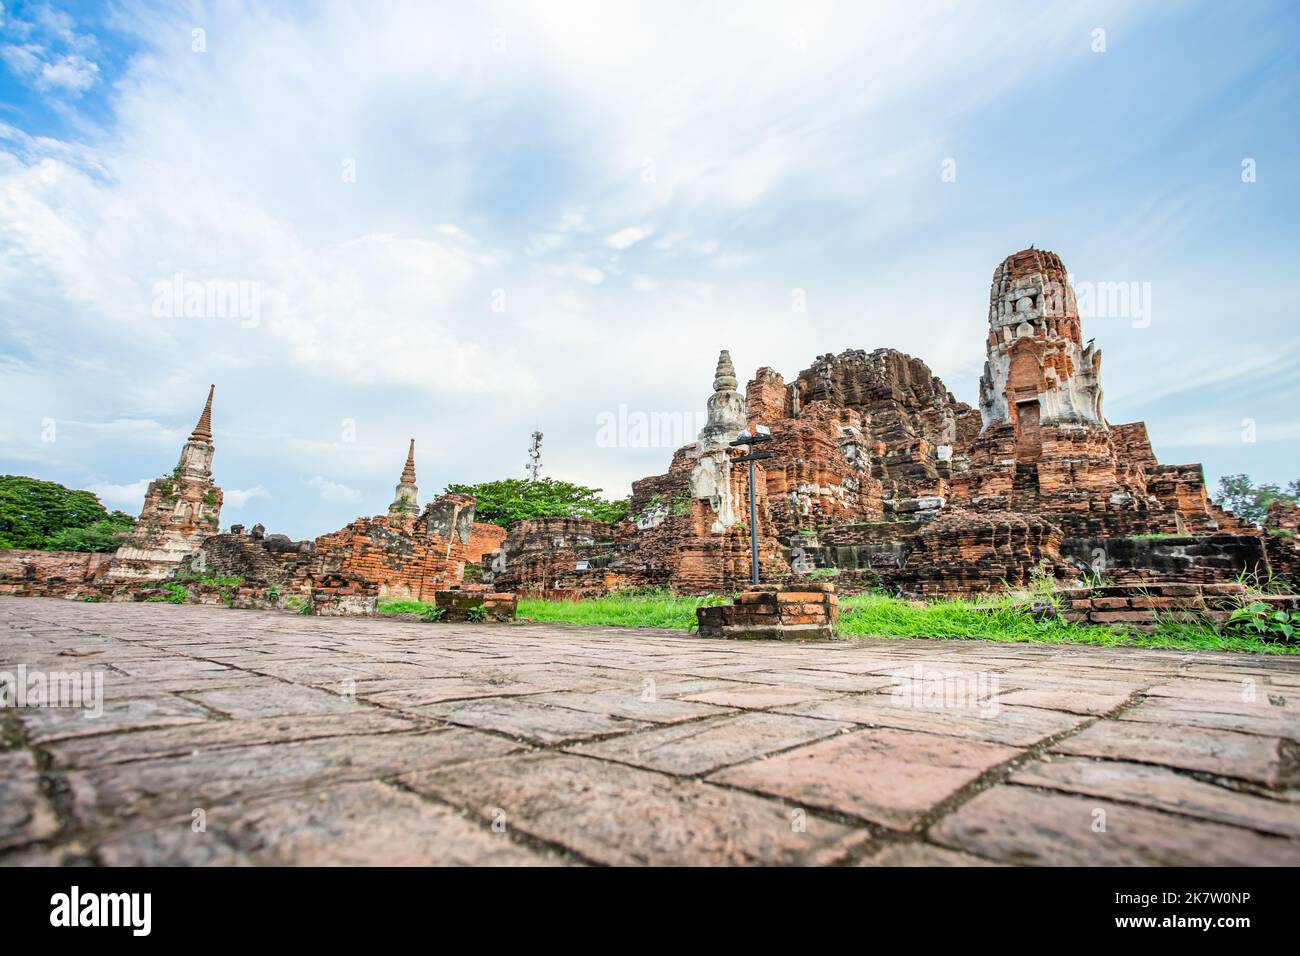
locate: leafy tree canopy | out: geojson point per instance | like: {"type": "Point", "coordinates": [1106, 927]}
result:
{"type": "Point", "coordinates": [513, 499]}
{"type": "Point", "coordinates": [43, 515]}
{"type": "Point", "coordinates": [1249, 501]}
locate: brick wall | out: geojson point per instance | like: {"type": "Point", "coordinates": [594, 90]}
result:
{"type": "Point", "coordinates": [484, 538]}
{"type": "Point", "coordinates": [457, 603]}
{"type": "Point", "coordinates": [50, 573]}
{"type": "Point", "coordinates": [1140, 606]}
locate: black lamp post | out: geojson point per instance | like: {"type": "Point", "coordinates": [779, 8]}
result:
{"type": "Point", "coordinates": [748, 441]}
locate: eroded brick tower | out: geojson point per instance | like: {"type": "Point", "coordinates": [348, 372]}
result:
{"type": "Point", "coordinates": [180, 512]}
{"type": "Point", "coordinates": [1038, 370]}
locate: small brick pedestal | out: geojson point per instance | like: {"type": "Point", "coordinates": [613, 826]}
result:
{"type": "Point", "coordinates": [805, 612]}
{"type": "Point", "coordinates": [456, 603]}
{"type": "Point", "coordinates": [335, 596]}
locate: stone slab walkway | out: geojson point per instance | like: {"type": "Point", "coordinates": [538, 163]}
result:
{"type": "Point", "coordinates": [243, 737]}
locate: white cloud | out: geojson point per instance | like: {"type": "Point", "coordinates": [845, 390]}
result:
{"type": "Point", "coordinates": [333, 490]}
{"type": "Point", "coordinates": [70, 72]}
{"type": "Point", "coordinates": [54, 57]}
{"type": "Point", "coordinates": [577, 271]}
{"type": "Point", "coordinates": [237, 499]}
{"type": "Point", "coordinates": [626, 238]}
{"type": "Point", "coordinates": [128, 498]}
{"type": "Point", "coordinates": [24, 59]}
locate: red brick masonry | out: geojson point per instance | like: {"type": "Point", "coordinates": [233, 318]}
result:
{"type": "Point", "coordinates": [1140, 606]}
{"type": "Point", "coordinates": [458, 602]}
{"type": "Point", "coordinates": [773, 612]}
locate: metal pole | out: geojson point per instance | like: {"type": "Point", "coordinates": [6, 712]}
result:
{"type": "Point", "coordinates": [748, 442]}
{"type": "Point", "coordinates": [753, 526]}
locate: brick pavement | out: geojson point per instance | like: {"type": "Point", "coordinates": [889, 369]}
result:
{"type": "Point", "coordinates": [299, 740]}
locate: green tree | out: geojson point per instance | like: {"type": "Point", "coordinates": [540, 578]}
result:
{"type": "Point", "coordinates": [34, 513]}
{"type": "Point", "coordinates": [1248, 501]}
{"type": "Point", "coordinates": [512, 499]}
{"type": "Point", "coordinates": [101, 536]}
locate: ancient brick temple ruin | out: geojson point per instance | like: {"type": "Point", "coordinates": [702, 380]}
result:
{"type": "Point", "coordinates": [689, 531]}
{"type": "Point", "coordinates": [883, 480]}
{"type": "Point", "coordinates": [406, 553]}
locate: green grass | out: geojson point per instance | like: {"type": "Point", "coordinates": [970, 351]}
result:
{"type": "Point", "coordinates": [395, 606]}
{"type": "Point", "coordinates": [621, 609]}
{"type": "Point", "coordinates": [996, 618]}
{"type": "Point", "coordinates": [1001, 619]}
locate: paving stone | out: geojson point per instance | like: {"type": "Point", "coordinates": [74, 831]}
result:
{"type": "Point", "coordinates": [891, 777]}
{"type": "Point", "coordinates": [1020, 825]}
{"type": "Point", "coordinates": [703, 746]}
{"type": "Point", "coordinates": [1162, 789]}
{"type": "Point", "coordinates": [358, 824]}
{"type": "Point", "coordinates": [275, 699]}
{"type": "Point", "coordinates": [316, 673]}
{"type": "Point", "coordinates": [45, 724]}
{"type": "Point", "coordinates": [175, 667]}
{"type": "Point", "coordinates": [107, 796]}
{"type": "Point", "coordinates": [220, 735]}
{"type": "Point", "coordinates": [631, 704]}
{"type": "Point", "coordinates": [41, 855]}
{"type": "Point", "coordinates": [756, 696]}
{"type": "Point", "coordinates": [25, 815]}
{"type": "Point", "coordinates": [528, 720]}
{"type": "Point", "coordinates": [408, 693]}
{"type": "Point", "coordinates": [591, 806]}
{"type": "Point", "coordinates": [821, 680]}
{"type": "Point", "coordinates": [987, 720]}
{"type": "Point", "coordinates": [1224, 752]}
{"type": "Point", "coordinates": [1261, 716]}
{"type": "Point", "coordinates": [1067, 699]}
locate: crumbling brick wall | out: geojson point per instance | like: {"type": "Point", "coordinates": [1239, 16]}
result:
{"type": "Point", "coordinates": [400, 555]}
{"type": "Point", "coordinates": [553, 553]}
{"type": "Point", "coordinates": [50, 573]}
{"type": "Point", "coordinates": [484, 538]}
{"type": "Point", "coordinates": [260, 559]}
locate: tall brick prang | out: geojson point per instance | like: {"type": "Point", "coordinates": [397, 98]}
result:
{"type": "Point", "coordinates": [180, 512]}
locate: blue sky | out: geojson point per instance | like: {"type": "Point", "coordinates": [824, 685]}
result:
{"type": "Point", "coordinates": [463, 223]}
